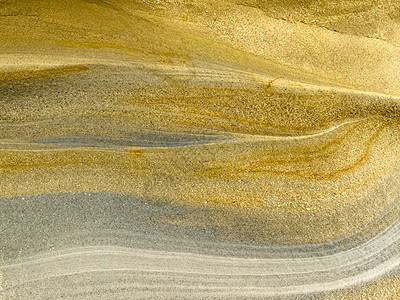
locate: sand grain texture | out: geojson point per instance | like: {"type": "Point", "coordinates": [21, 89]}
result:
{"type": "Point", "coordinates": [199, 149]}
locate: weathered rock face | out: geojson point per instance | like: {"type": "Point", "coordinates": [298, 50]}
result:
{"type": "Point", "coordinates": [267, 127]}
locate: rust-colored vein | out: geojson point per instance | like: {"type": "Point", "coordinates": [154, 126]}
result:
{"type": "Point", "coordinates": [307, 175]}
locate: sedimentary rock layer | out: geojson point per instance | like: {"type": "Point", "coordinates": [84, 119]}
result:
{"type": "Point", "coordinates": [199, 149]}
